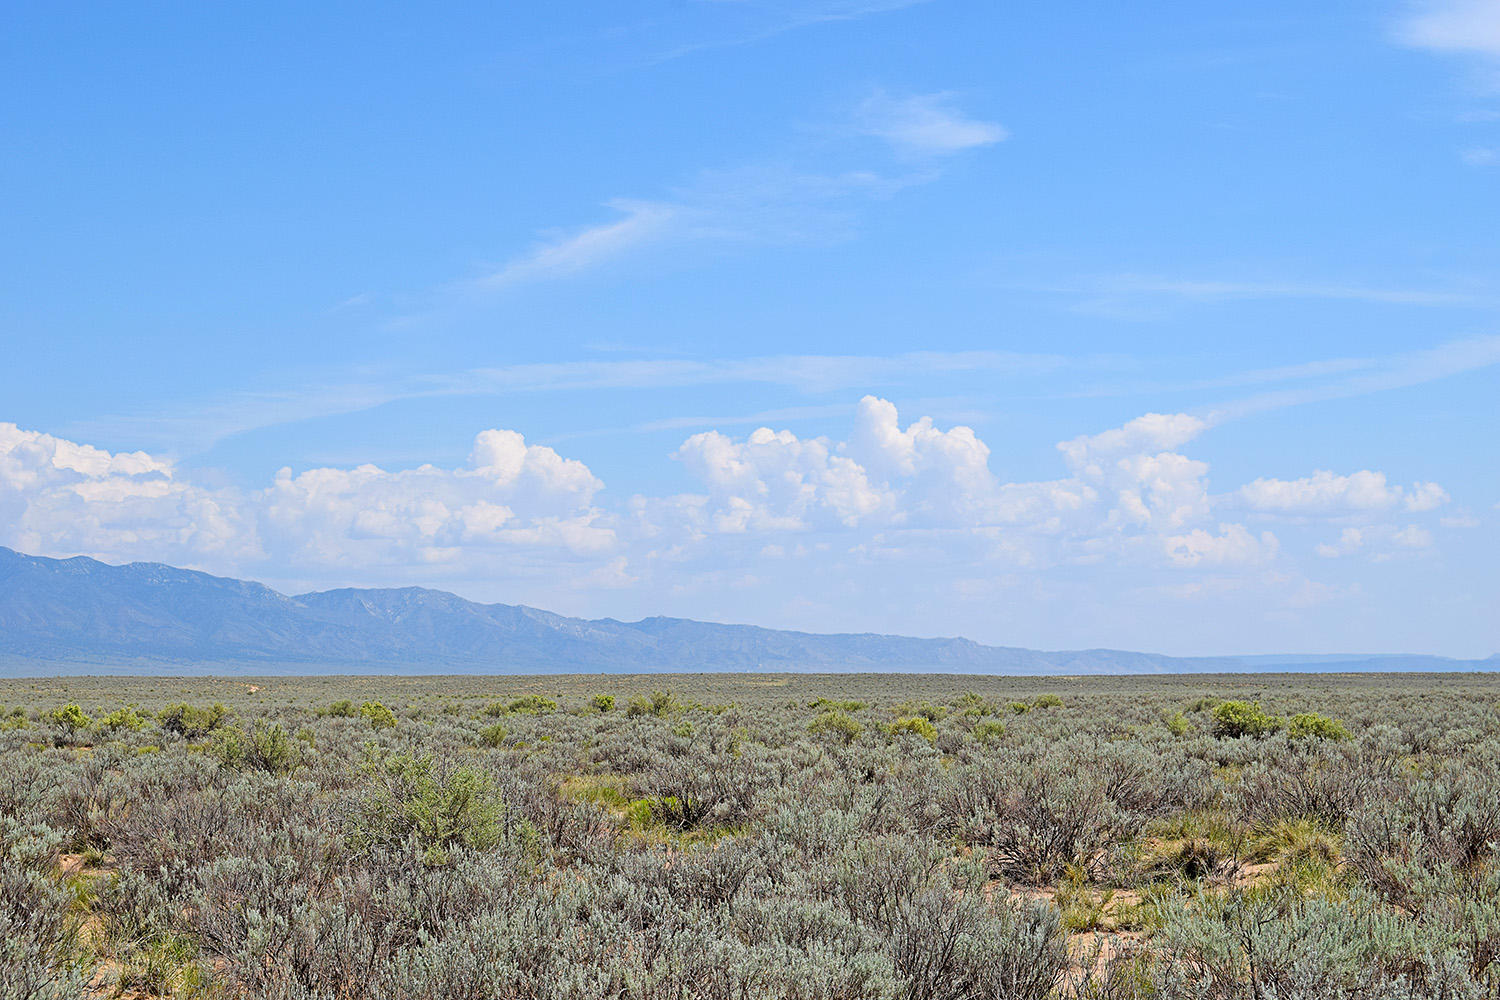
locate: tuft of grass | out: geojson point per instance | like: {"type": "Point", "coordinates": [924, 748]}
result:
{"type": "Point", "coordinates": [1194, 846]}
{"type": "Point", "coordinates": [604, 790]}
{"type": "Point", "coordinates": [1083, 909]}
{"type": "Point", "coordinates": [1309, 857]}
{"type": "Point", "coordinates": [1147, 914]}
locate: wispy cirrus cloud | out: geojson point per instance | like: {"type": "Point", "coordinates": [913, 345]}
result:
{"type": "Point", "coordinates": [774, 202]}
{"type": "Point", "coordinates": [195, 425]}
{"type": "Point", "coordinates": [769, 204]}
{"type": "Point", "coordinates": [924, 124]}
{"type": "Point", "coordinates": [1315, 381]}
{"type": "Point", "coordinates": [192, 425]}
{"type": "Point", "coordinates": [761, 20]}
{"type": "Point", "coordinates": [1142, 295]}
{"type": "Point", "coordinates": [1233, 290]}
{"type": "Point", "coordinates": [1462, 26]}
{"type": "Point", "coordinates": [1396, 371]}
{"type": "Point", "coordinates": [643, 222]}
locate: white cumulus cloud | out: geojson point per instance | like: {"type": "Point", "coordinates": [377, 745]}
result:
{"type": "Point", "coordinates": [1233, 545]}
{"type": "Point", "coordinates": [60, 496]}
{"type": "Point", "coordinates": [1151, 432]}
{"type": "Point", "coordinates": [511, 495]}
{"type": "Point", "coordinates": [1327, 492]}
{"type": "Point", "coordinates": [908, 499]}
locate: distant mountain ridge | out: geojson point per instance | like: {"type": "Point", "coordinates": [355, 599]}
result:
{"type": "Point", "coordinates": [79, 614]}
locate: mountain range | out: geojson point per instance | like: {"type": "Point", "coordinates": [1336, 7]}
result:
{"type": "Point", "coordinates": [80, 615]}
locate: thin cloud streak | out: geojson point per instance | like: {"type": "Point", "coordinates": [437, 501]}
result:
{"type": "Point", "coordinates": [924, 124]}
{"type": "Point", "coordinates": [643, 223]}
{"type": "Point", "coordinates": [197, 427]}
{"type": "Point", "coordinates": [1397, 371]}
{"type": "Point", "coordinates": [783, 415]}
{"type": "Point", "coordinates": [803, 16]}
{"type": "Point", "coordinates": [1145, 286]}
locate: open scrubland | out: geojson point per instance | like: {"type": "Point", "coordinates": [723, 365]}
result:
{"type": "Point", "coordinates": [743, 836]}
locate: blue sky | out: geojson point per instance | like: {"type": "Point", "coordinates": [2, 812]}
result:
{"type": "Point", "coordinates": [1049, 325]}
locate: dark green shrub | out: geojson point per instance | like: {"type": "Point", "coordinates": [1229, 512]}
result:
{"type": "Point", "coordinates": [122, 718]}
{"type": "Point", "coordinates": [380, 717]}
{"type": "Point", "coordinates": [531, 704]}
{"type": "Point", "coordinates": [989, 730]}
{"type": "Point", "coordinates": [436, 804]}
{"type": "Point", "coordinates": [840, 725]}
{"type": "Point", "coordinates": [974, 705]}
{"type": "Point", "coordinates": [70, 720]}
{"type": "Point", "coordinates": [1311, 725]}
{"type": "Point", "coordinates": [915, 725]}
{"type": "Point", "coordinates": [342, 709]}
{"type": "Point", "coordinates": [840, 706]}
{"type": "Point", "coordinates": [191, 722]}
{"type": "Point", "coordinates": [1047, 701]}
{"type": "Point", "coordinates": [493, 736]}
{"type": "Point", "coordinates": [1242, 718]}
{"type": "Point", "coordinates": [659, 704]}
{"type": "Point", "coordinates": [264, 748]}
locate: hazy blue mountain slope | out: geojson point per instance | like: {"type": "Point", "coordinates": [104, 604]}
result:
{"type": "Point", "coordinates": [82, 612]}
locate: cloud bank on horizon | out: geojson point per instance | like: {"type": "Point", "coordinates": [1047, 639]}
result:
{"type": "Point", "coordinates": [891, 507]}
